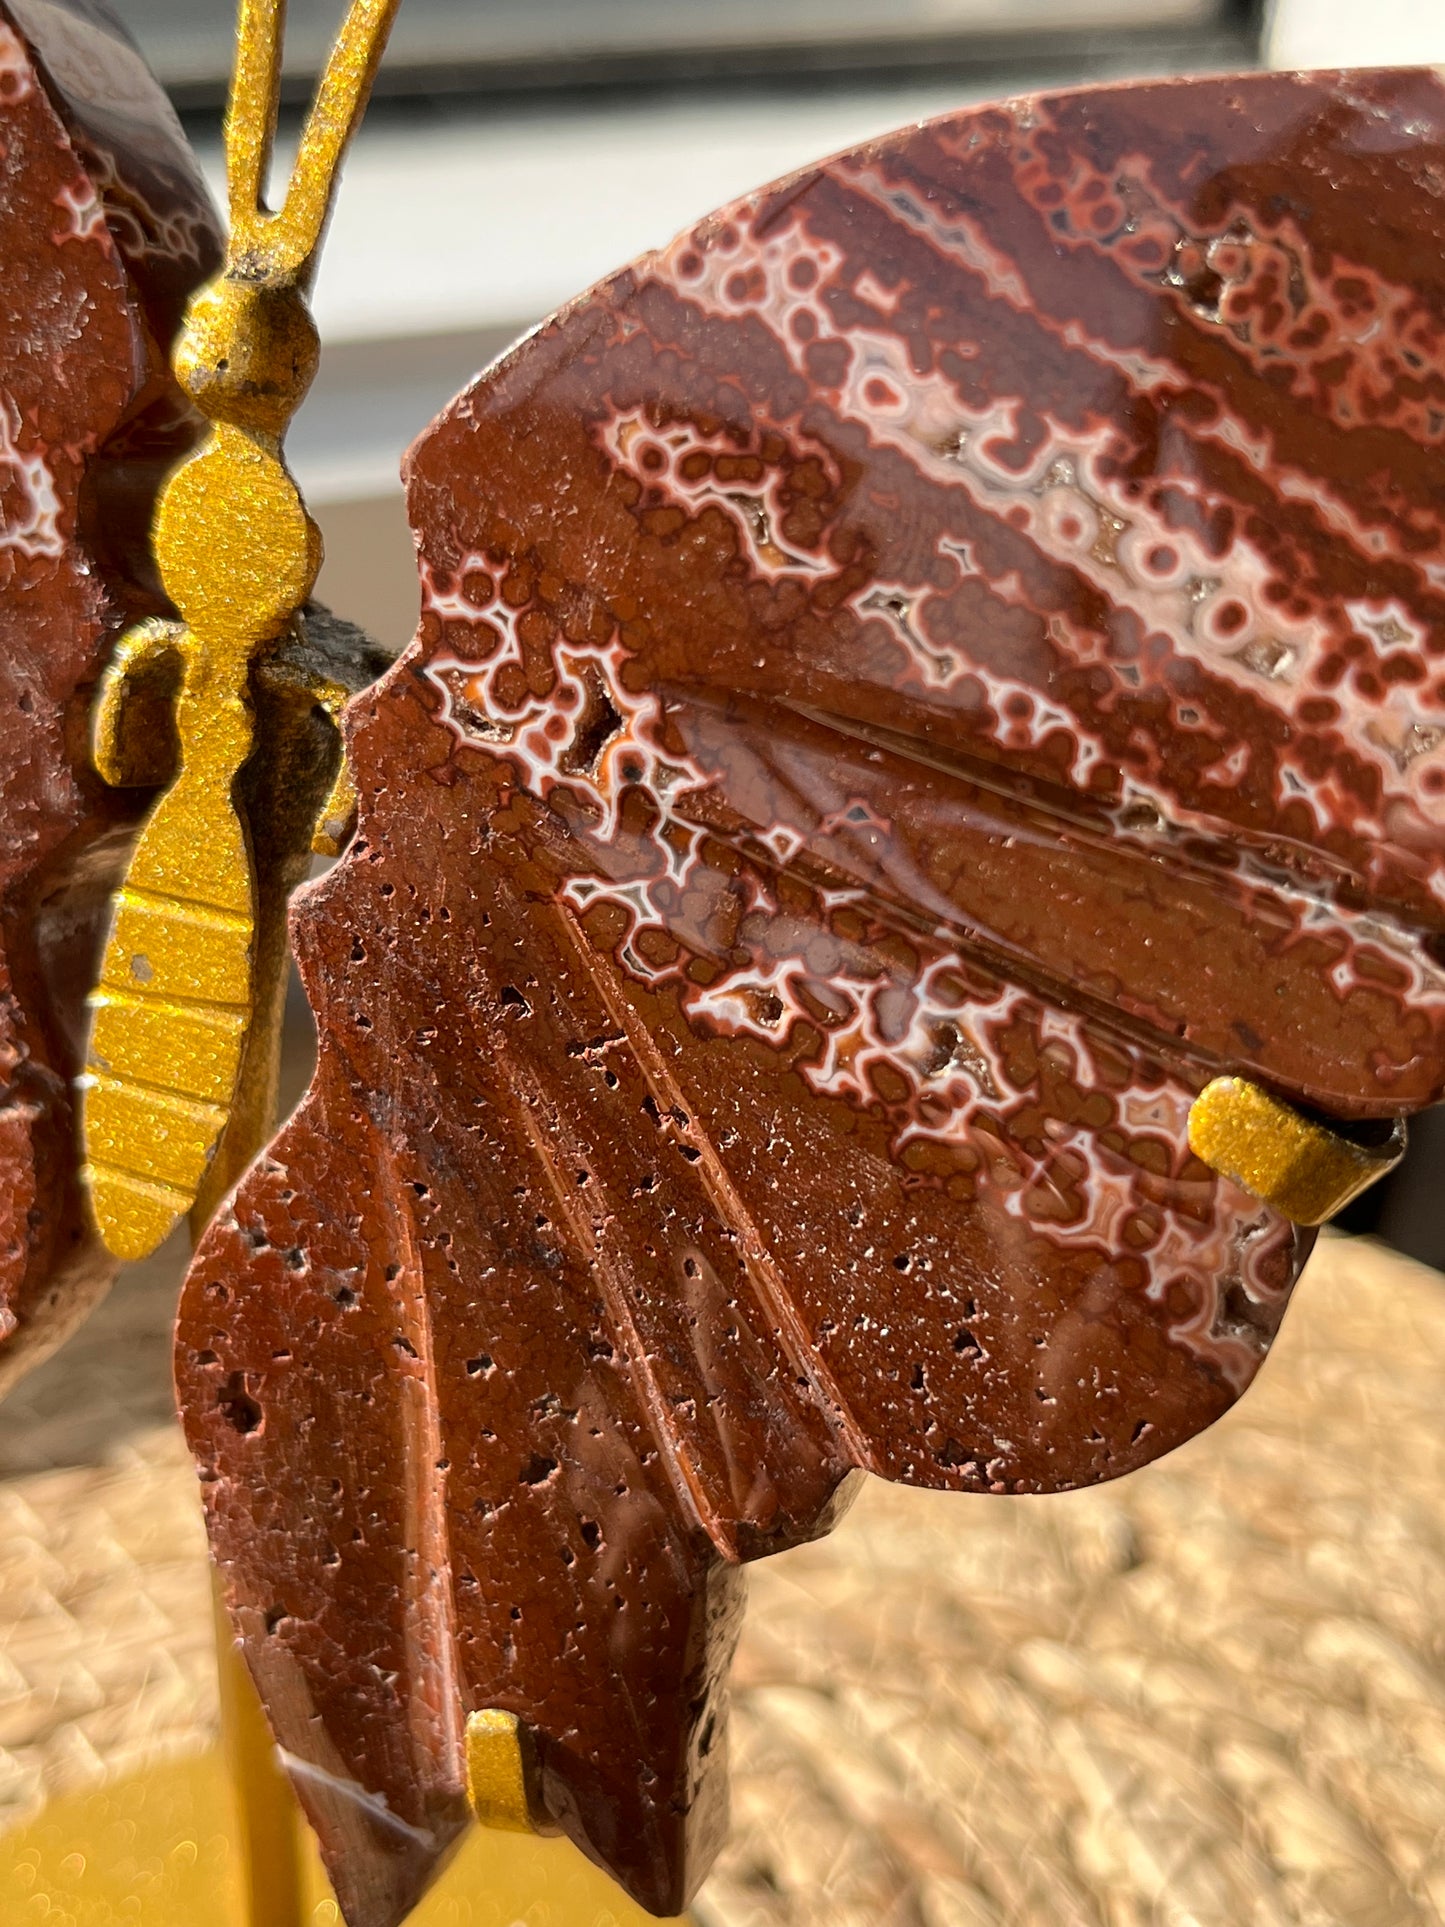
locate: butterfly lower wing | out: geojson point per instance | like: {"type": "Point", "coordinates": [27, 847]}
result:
{"type": "Point", "coordinates": [909, 688]}
{"type": "Point", "coordinates": [103, 227]}
{"type": "Point", "coordinates": [546, 1310]}
{"type": "Point", "coordinates": [452, 1294]}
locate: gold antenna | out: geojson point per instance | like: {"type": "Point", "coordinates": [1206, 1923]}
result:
{"type": "Point", "coordinates": [181, 978]}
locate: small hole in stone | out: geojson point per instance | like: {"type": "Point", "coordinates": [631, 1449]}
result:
{"type": "Point", "coordinates": [237, 1406]}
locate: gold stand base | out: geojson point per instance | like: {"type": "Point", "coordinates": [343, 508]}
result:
{"type": "Point", "coordinates": [163, 1848]}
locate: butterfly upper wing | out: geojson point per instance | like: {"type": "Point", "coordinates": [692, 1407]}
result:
{"type": "Point", "coordinates": [104, 227]}
{"type": "Point", "coordinates": [912, 682]}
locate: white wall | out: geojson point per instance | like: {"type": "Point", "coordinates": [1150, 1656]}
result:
{"type": "Point", "coordinates": [1355, 33]}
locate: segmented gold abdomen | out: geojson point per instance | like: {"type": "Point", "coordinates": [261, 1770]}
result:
{"type": "Point", "coordinates": [169, 1016]}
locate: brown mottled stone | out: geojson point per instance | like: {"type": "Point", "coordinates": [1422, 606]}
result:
{"type": "Point", "coordinates": [913, 681]}
{"type": "Point", "coordinates": [104, 229]}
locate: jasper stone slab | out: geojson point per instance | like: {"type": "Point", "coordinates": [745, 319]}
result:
{"type": "Point", "coordinates": [104, 229]}
{"type": "Point", "coordinates": [913, 681]}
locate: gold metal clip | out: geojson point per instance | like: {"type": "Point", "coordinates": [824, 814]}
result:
{"type": "Point", "coordinates": [1299, 1165]}
{"type": "Point", "coordinates": [182, 973]}
{"type": "Point", "coordinates": [501, 1773]}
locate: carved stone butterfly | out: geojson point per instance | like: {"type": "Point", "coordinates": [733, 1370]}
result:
{"type": "Point", "coordinates": [915, 680]}
{"type": "Point", "coordinates": [105, 227]}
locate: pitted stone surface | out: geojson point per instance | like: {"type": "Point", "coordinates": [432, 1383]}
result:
{"type": "Point", "coordinates": [914, 680]}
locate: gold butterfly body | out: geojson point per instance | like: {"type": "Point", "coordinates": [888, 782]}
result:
{"type": "Point", "coordinates": [239, 555]}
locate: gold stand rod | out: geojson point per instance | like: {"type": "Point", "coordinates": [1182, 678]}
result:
{"type": "Point", "coordinates": [268, 1820]}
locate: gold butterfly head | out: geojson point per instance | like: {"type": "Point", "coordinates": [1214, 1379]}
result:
{"type": "Point", "coordinates": [248, 353]}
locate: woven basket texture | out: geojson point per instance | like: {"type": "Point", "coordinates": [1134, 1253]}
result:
{"type": "Point", "coordinates": [1212, 1695]}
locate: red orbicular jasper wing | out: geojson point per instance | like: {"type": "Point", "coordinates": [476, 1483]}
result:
{"type": "Point", "coordinates": [913, 681]}
{"type": "Point", "coordinates": [104, 228]}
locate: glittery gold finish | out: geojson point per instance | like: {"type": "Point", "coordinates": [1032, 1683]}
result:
{"type": "Point", "coordinates": [496, 1772]}
{"type": "Point", "coordinates": [184, 971]}
{"type": "Point", "coordinates": [1298, 1165]}
{"type": "Point", "coordinates": [269, 1862]}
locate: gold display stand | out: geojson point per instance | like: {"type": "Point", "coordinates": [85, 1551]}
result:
{"type": "Point", "coordinates": [161, 1848]}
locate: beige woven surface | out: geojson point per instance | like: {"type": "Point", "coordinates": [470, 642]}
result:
{"type": "Point", "coordinates": [107, 1654]}
{"type": "Point", "coordinates": [107, 1657]}
{"type": "Point", "coordinates": [1210, 1696]}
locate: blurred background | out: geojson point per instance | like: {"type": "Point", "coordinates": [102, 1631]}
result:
{"type": "Point", "coordinates": [1211, 1696]}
